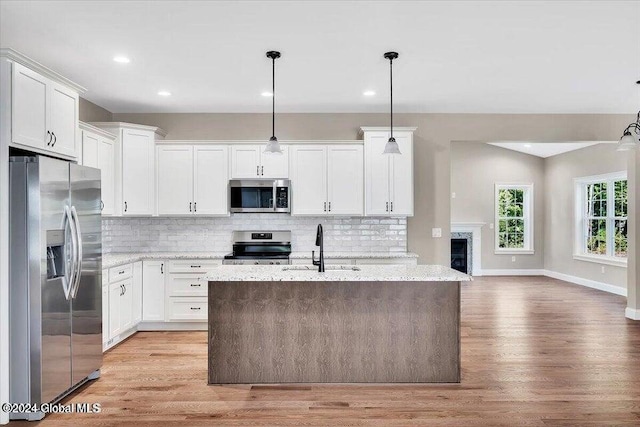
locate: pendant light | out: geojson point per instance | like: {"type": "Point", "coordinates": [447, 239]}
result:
{"type": "Point", "coordinates": [631, 140]}
{"type": "Point", "coordinates": [273, 146]}
{"type": "Point", "coordinates": [391, 147]}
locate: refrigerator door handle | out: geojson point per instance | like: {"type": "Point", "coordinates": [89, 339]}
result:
{"type": "Point", "coordinates": [76, 285]}
{"type": "Point", "coordinates": [70, 275]}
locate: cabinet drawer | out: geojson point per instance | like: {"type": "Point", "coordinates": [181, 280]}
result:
{"type": "Point", "coordinates": [186, 285]}
{"type": "Point", "coordinates": [187, 309]}
{"type": "Point", "coordinates": [193, 266]}
{"type": "Point", "coordinates": [122, 272]}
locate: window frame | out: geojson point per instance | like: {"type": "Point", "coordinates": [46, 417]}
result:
{"type": "Point", "coordinates": [528, 217]}
{"type": "Point", "coordinates": [580, 221]}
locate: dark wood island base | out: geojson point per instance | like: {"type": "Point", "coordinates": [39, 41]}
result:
{"type": "Point", "coordinates": [334, 332]}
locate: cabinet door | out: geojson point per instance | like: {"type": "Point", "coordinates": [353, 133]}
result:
{"type": "Point", "coordinates": [63, 114]}
{"type": "Point", "coordinates": [137, 172]}
{"type": "Point", "coordinates": [90, 144]}
{"type": "Point", "coordinates": [401, 181]}
{"type": "Point", "coordinates": [245, 160]}
{"type": "Point", "coordinates": [211, 179]}
{"type": "Point", "coordinates": [274, 165]}
{"type": "Point", "coordinates": [345, 180]}
{"type": "Point", "coordinates": [105, 306]}
{"type": "Point", "coordinates": [106, 163]}
{"type": "Point", "coordinates": [153, 274]}
{"type": "Point", "coordinates": [309, 179]}
{"type": "Point", "coordinates": [29, 108]}
{"type": "Point", "coordinates": [136, 293]}
{"type": "Point", "coordinates": [377, 174]}
{"type": "Point", "coordinates": [126, 305]}
{"type": "Point", "coordinates": [115, 302]}
{"type": "Point", "coordinates": [175, 179]}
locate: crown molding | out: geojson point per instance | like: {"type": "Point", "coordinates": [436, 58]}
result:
{"type": "Point", "coordinates": [17, 57]}
{"type": "Point", "coordinates": [96, 130]}
{"type": "Point", "coordinates": [111, 125]}
{"type": "Point", "coordinates": [364, 129]}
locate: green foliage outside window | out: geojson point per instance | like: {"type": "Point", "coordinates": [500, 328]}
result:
{"type": "Point", "coordinates": [511, 221]}
{"type": "Point", "coordinates": [598, 217]}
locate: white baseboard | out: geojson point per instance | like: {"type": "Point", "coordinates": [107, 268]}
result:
{"type": "Point", "coordinates": [613, 289]}
{"type": "Point", "coordinates": [633, 314]}
{"type": "Point", "coordinates": [513, 272]}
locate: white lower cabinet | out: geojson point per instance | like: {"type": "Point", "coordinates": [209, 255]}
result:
{"type": "Point", "coordinates": [186, 290]}
{"type": "Point", "coordinates": [122, 302]}
{"type": "Point", "coordinates": [153, 278]}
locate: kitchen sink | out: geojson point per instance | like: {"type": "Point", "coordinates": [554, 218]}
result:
{"type": "Point", "coordinates": [315, 268]}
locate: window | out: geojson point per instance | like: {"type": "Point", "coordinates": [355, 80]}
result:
{"type": "Point", "coordinates": [514, 214]}
{"type": "Point", "coordinates": [601, 218]}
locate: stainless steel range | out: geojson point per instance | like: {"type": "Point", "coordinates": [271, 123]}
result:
{"type": "Point", "coordinates": [260, 247]}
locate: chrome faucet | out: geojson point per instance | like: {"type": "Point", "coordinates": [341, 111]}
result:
{"type": "Point", "coordinates": [319, 242]}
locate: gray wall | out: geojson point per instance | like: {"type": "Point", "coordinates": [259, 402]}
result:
{"type": "Point", "coordinates": [559, 189]}
{"type": "Point", "coordinates": [432, 147]}
{"type": "Point", "coordinates": [475, 169]}
{"type": "Point", "coordinates": [90, 112]}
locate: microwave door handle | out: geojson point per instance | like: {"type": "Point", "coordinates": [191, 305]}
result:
{"type": "Point", "coordinates": [74, 214]}
{"type": "Point", "coordinates": [70, 274]}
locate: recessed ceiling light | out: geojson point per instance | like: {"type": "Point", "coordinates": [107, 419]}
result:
{"type": "Point", "coordinates": [164, 93]}
{"type": "Point", "coordinates": [121, 59]}
{"type": "Point", "coordinates": [527, 145]}
{"type": "Point", "coordinates": [368, 93]}
{"type": "Point", "coordinates": [267, 94]}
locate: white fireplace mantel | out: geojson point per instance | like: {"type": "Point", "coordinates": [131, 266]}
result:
{"type": "Point", "coordinates": [475, 228]}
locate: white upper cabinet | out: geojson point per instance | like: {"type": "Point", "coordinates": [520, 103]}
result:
{"type": "Point", "coordinates": [138, 171]}
{"type": "Point", "coordinates": [388, 177]}
{"type": "Point", "coordinates": [327, 179]}
{"type": "Point", "coordinates": [309, 179]}
{"type": "Point", "coordinates": [44, 113]}
{"type": "Point", "coordinates": [345, 180]}
{"type": "Point", "coordinates": [192, 179]}
{"type": "Point", "coordinates": [211, 179]}
{"type": "Point", "coordinates": [98, 151]}
{"type": "Point", "coordinates": [63, 120]}
{"type": "Point", "coordinates": [249, 161]}
{"type": "Point", "coordinates": [175, 179]}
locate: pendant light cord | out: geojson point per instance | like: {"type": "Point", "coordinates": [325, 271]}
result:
{"type": "Point", "coordinates": [273, 98]}
{"type": "Point", "coordinates": [391, 84]}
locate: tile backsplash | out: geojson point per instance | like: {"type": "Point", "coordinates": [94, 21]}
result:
{"type": "Point", "coordinates": [341, 234]}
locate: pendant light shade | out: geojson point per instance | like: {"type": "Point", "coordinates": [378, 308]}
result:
{"type": "Point", "coordinates": [273, 146]}
{"type": "Point", "coordinates": [631, 136]}
{"type": "Point", "coordinates": [391, 147]}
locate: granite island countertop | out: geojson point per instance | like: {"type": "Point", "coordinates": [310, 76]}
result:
{"type": "Point", "coordinates": [364, 273]}
{"type": "Point", "coordinates": [116, 259]}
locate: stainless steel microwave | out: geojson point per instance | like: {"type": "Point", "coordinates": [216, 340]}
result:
{"type": "Point", "coordinates": [260, 195]}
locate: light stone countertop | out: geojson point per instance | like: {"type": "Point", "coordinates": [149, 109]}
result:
{"type": "Point", "coordinates": [364, 273]}
{"type": "Point", "coordinates": [116, 259]}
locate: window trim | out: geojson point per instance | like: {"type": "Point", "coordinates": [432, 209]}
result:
{"type": "Point", "coordinates": [579, 238]}
{"type": "Point", "coordinates": [528, 210]}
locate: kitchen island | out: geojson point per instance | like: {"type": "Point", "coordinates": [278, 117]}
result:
{"type": "Point", "coordinates": [373, 324]}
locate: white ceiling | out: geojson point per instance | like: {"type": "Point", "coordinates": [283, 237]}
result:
{"type": "Point", "coordinates": [477, 57]}
{"type": "Point", "coordinates": [546, 149]}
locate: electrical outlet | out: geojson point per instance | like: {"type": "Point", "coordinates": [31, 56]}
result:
{"type": "Point", "coordinates": [436, 232]}
{"type": "Point", "coordinates": [453, 195]}
{"type": "Point", "coordinates": [491, 226]}
{"type": "Point", "coordinates": [513, 259]}
{"type": "Point", "coordinates": [603, 269]}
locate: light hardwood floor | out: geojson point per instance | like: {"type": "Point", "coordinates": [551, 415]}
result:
{"type": "Point", "coordinates": [535, 351]}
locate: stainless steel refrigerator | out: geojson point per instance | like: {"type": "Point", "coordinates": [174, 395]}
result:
{"type": "Point", "coordinates": [55, 279]}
